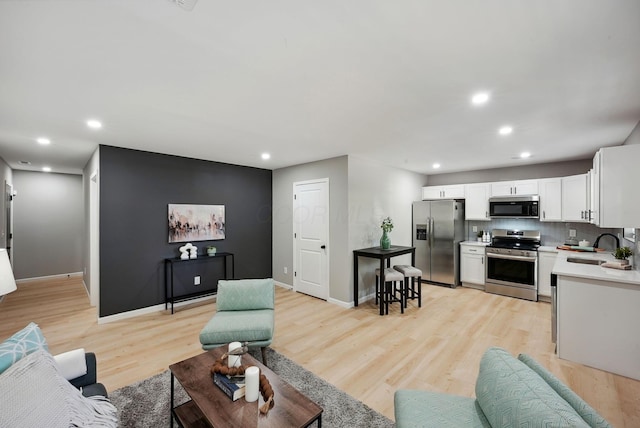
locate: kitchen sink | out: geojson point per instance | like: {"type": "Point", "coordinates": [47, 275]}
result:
{"type": "Point", "coordinates": [585, 261]}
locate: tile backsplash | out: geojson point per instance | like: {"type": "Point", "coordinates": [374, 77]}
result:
{"type": "Point", "coordinates": [556, 233]}
{"type": "Point", "coordinates": [551, 233]}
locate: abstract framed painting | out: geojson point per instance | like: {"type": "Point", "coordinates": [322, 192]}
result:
{"type": "Point", "coordinates": [189, 222]}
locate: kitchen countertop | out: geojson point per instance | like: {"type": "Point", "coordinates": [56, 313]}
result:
{"type": "Point", "coordinates": [564, 268]}
{"type": "Point", "coordinates": [548, 249]}
{"type": "Point", "coordinates": [476, 243]}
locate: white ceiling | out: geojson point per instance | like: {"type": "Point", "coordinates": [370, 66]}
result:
{"type": "Point", "coordinates": [308, 80]}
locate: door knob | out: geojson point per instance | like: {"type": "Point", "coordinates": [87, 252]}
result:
{"type": "Point", "coordinates": [323, 246]}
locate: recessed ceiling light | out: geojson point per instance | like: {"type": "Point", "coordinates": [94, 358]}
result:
{"type": "Point", "coordinates": [436, 165]}
{"type": "Point", "coordinates": [44, 141]}
{"type": "Point", "coordinates": [480, 98]}
{"type": "Point", "coordinates": [94, 124]}
{"type": "Point", "coordinates": [46, 168]}
{"type": "Point", "coordinates": [505, 130]}
{"type": "Point", "coordinates": [266, 156]}
{"type": "Point", "coordinates": [525, 155]}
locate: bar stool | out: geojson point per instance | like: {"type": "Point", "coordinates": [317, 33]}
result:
{"type": "Point", "coordinates": [390, 292]}
{"type": "Point", "coordinates": [415, 274]}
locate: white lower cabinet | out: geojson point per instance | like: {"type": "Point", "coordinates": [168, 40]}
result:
{"type": "Point", "coordinates": [546, 260]}
{"type": "Point", "coordinates": [472, 265]}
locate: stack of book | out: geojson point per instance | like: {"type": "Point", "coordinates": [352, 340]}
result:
{"type": "Point", "coordinates": [233, 386]}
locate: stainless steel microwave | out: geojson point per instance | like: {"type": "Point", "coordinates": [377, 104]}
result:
{"type": "Point", "coordinates": [514, 207]}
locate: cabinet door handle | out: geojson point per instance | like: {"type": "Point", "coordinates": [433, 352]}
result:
{"type": "Point", "coordinates": [544, 214]}
{"type": "Point", "coordinates": [582, 215]}
{"type": "Point", "coordinates": [486, 214]}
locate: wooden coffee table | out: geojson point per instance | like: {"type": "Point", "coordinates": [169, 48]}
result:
{"type": "Point", "coordinates": [210, 407]}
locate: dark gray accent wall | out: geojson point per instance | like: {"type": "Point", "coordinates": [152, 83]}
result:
{"type": "Point", "coordinates": [48, 224]}
{"type": "Point", "coordinates": [135, 190]}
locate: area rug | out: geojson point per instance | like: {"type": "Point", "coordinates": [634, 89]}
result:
{"type": "Point", "coordinates": [146, 403]}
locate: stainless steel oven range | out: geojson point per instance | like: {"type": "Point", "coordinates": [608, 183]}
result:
{"type": "Point", "coordinates": [512, 263]}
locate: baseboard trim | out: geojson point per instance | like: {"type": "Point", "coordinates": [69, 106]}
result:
{"type": "Point", "coordinates": [57, 276]}
{"type": "Point", "coordinates": [283, 285]}
{"type": "Point", "coordinates": [150, 310]}
{"type": "Point", "coordinates": [342, 304]}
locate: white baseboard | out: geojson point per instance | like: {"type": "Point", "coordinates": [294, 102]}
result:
{"type": "Point", "coordinates": [342, 304]}
{"type": "Point", "coordinates": [61, 275]}
{"type": "Point", "coordinates": [283, 285]}
{"type": "Point", "coordinates": [150, 310]}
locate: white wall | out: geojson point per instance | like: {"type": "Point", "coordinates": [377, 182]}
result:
{"type": "Point", "coordinates": [6, 176]}
{"type": "Point", "coordinates": [91, 204]}
{"type": "Point", "coordinates": [634, 137]}
{"type": "Point", "coordinates": [336, 170]}
{"type": "Point", "coordinates": [377, 191]}
{"type": "Point", "coordinates": [48, 224]}
{"type": "Point", "coordinates": [546, 170]}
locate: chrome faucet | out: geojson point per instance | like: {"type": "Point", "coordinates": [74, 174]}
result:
{"type": "Point", "coordinates": [595, 244]}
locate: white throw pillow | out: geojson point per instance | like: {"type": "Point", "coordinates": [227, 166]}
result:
{"type": "Point", "coordinates": [72, 364]}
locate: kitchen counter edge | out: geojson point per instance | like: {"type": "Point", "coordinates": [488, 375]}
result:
{"type": "Point", "coordinates": [564, 268]}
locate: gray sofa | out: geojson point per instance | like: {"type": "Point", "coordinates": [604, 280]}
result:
{"type": "Point", "coordinates": [510, 392]}
{"type": "Point", "coordinates": [88, 384]}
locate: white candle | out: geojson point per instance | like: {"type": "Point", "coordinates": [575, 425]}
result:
{"type": "Point", "coordinates": [234, 360]}
{"type": "Point", "coordinates": [252, 384]}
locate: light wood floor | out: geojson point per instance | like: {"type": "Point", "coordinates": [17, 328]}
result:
{"type": "Point", "coordinates": [437, 347]}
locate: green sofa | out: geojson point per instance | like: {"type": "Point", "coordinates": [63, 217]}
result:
{"type": "Point", "coordinates": [510, 392]}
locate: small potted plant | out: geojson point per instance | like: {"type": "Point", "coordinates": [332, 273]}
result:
{"type": "Point", "coordinates": [479, 235]}
{"type": "Point", "coordinates": [623, 254]}
{"type": "Point", "coordinates": [211, 250]}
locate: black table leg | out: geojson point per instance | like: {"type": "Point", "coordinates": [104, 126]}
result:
{"type": "Point", "coordinates": [355, 280]}
{"type": "Point", "coordinates": [383, 296]}
{"type": "Point", "coordinates": [171, 407]}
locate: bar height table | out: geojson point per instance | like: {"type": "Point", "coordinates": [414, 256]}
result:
{"type": "Point", "coordinates": [383, 256]}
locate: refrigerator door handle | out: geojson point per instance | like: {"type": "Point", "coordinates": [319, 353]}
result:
{"type": "Point", "coordinates": [431, 229]}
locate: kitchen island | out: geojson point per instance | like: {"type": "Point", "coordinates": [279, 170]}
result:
{"type": "Point", "coordinates": [598, 312]}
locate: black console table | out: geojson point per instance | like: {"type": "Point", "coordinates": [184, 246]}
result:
{"type": "Point", "coordinates": [171, 298]}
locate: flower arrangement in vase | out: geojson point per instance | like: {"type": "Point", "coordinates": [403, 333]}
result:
{"type": "Point", "coordinates": [386, 226]}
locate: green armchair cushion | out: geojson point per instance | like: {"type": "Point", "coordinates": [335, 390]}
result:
{"type": "Point", "coordinates": [238, 326]}
{"type": "Point", "coordinates": [587, 412]}
{"type": "Point", "coordinates": [511, 394]}
{"type": "Point", "coordinates": [245, 313]}
{"type": "Point", "coordinates": [425, 409]}
{"type": "Point", "coordinates": [245, 294]}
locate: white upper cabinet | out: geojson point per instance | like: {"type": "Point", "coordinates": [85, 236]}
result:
{"type": "Point", "coordinates": [443, 192]}
{"type": "Point", "coordinates": [476, 204]}
{"type": "Point", "coordinates": [618, 204]}
{"type": "Point", "coordinates": [514, 188]}
{"type": "Point", "coordinates": [550, 190]}
{"type": "Point", "coordinates": [575, 198]}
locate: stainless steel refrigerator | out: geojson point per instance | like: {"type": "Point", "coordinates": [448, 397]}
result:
{"type": "Point", "coordinates": [438, 229]}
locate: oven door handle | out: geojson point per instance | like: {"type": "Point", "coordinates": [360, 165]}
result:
{"type": "Point", "coordinates": [510, 257]}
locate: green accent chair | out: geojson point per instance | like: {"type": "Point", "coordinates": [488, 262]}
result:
{"type": "Point", "coordinates": [244, 313]}
{"type": "Point", "coordinates": [510, 392]}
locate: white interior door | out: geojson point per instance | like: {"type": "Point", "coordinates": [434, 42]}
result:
{"type": "Point", "coordinates": [311, 237]}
